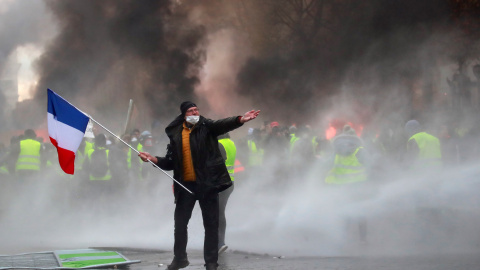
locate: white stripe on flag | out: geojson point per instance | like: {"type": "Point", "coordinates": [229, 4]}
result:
{"type": "Point", "coordinates": [67, 137]}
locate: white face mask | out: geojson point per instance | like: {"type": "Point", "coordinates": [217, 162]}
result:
{"type": "Point", "coordinates": [192, 119]}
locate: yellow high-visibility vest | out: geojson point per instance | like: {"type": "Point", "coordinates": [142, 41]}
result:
{"type": "Point", "coordinates": [293, 139]}
{"type": "Point", "coordinates": [81, 156]}
{"type": "Point", "coordinates": [129, 155]}
{"type": "Point", "coordinates": [430, 151]}
{"type": "Point", "coordinates": [346, 169]}
{"type": "Point", "coordinates": [140, 162]}
{"type": "Point", "coordinates": [29, 157]}
{"type": "Point", "coordinates": [231, 150]}
{"type": "Point", "coordinates": [255, 155]}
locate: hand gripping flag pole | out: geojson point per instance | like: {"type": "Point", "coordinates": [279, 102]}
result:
{"type": "Point", "coordinates": [63, 125]}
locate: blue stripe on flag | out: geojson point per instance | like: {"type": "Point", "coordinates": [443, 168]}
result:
{"type": "Point", "coordinates": [66, 113]}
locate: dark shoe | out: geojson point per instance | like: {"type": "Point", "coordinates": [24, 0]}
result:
{"type": "Point", "coordinates": [177, 264]}
{"type": "Point", "coordinates": [211, 266]}
{"type": "Point", "coordinates": [222, 249]}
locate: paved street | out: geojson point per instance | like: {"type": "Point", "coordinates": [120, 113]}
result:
{"type": "Point", "coordinates": [235, 260]}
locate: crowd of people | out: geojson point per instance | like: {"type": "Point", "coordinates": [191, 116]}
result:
{"type": "Point", "coordinates": [281, 151]}
{"type": "Point", "coordinates": [291, 147]}
{"type": "Point", "coordinates": [295, 148]}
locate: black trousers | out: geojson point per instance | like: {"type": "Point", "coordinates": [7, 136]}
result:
{"type": "Point", "coordinates": [183, 213]}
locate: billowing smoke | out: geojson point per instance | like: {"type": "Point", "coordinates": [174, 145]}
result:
{"type": "Point", "coordinates": [3, 119]}
{"type": "Point", "coordinates": [110, 51]}
{"type": "Point", "coordinates": [21, 24]}
{"type": "Point", "coordinates": [331, 48]}
{"type": "Point", "coordinates": [20, 30]}
{"type": "Point", "coordinates": [298, 54]}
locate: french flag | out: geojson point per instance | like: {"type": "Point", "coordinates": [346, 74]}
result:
{"type": "Point", "coordinates": [66, 128]}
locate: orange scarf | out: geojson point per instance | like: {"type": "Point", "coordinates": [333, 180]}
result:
{"type": "Point", "coordinates": [188, 170]}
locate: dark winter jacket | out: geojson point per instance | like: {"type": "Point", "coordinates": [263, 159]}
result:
{"type": "Point", "coordinates": [209, 165]}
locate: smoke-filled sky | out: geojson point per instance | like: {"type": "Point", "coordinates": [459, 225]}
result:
{"type": "Point", "coordinates": [294, 60]}
{"type": "Point", "coordinates": [368, 62]}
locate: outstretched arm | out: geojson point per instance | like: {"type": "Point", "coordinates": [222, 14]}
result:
{"type": "Point", "coordinates": [250, 115]}
{"type": "Point", "coordinates": [222, 126]}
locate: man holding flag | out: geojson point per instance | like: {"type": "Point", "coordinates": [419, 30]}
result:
{"type": "Point", "coordinates": [194, 156]}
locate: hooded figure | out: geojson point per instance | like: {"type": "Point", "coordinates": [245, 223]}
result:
{"type": "Point", "coordinates": [347, 142]}
{"type": "Point", "coordinates": [412, 127]}
{"type": "Point", "coordinates": [350, 159]}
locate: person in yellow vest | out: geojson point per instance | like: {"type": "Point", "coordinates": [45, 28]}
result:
{"type": "Point", "coordinates": [350, 158]}
{"type": "Point", "coordinates": [348, 172]}
{"type": "Point", "coordinates": [424, 157]}
{"type": "Point", "coordinates": [87, 143]}
{"type": "Point", "coordinates": [129, 181]}
{"type": "Point", "coordinates": [28, 155]}
{"type": "Point", "coordinates": [229, 153]}
{"type": "Point", "coordinates": [135, 165]}
{"type": "Point", "coordinates": [96, 159]}
{"type": "Point", "coordinates": [292, 133]}
{"type": "Point", "coordinates": [194, 156]}
{"type": "Point", "coordinates": [97, 170]}
{"type": "Point", "coordinates": [147, 144]}
{"type": "Point", "coordinates": [301, 152]}
{"type": "Point", "coordinates": [423, 149]}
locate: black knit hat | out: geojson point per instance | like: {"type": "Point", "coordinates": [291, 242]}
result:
{"type": "Point", "coordinates": [186, 105]}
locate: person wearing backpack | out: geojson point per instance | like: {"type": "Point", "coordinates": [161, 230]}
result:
{"type": "Point", "coordinates": [98, 165]}
{"type": "Point", "coordinates": [97, 168]}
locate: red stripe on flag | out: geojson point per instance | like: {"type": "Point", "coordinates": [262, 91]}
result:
{"type": "Point", "coordinates": [54, 142]}
{"type": "Point", "coordinates": [66, 158]}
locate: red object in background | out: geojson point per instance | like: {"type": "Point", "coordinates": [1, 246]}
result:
{"type": "Point", "coordinates": [43, 133]}
{"type": "Point", "coordinates": [238, 167]}
{"type": "Point", "coordinates": [336, 127]}
{"type": "Point", "coordinates": [330, 132]}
